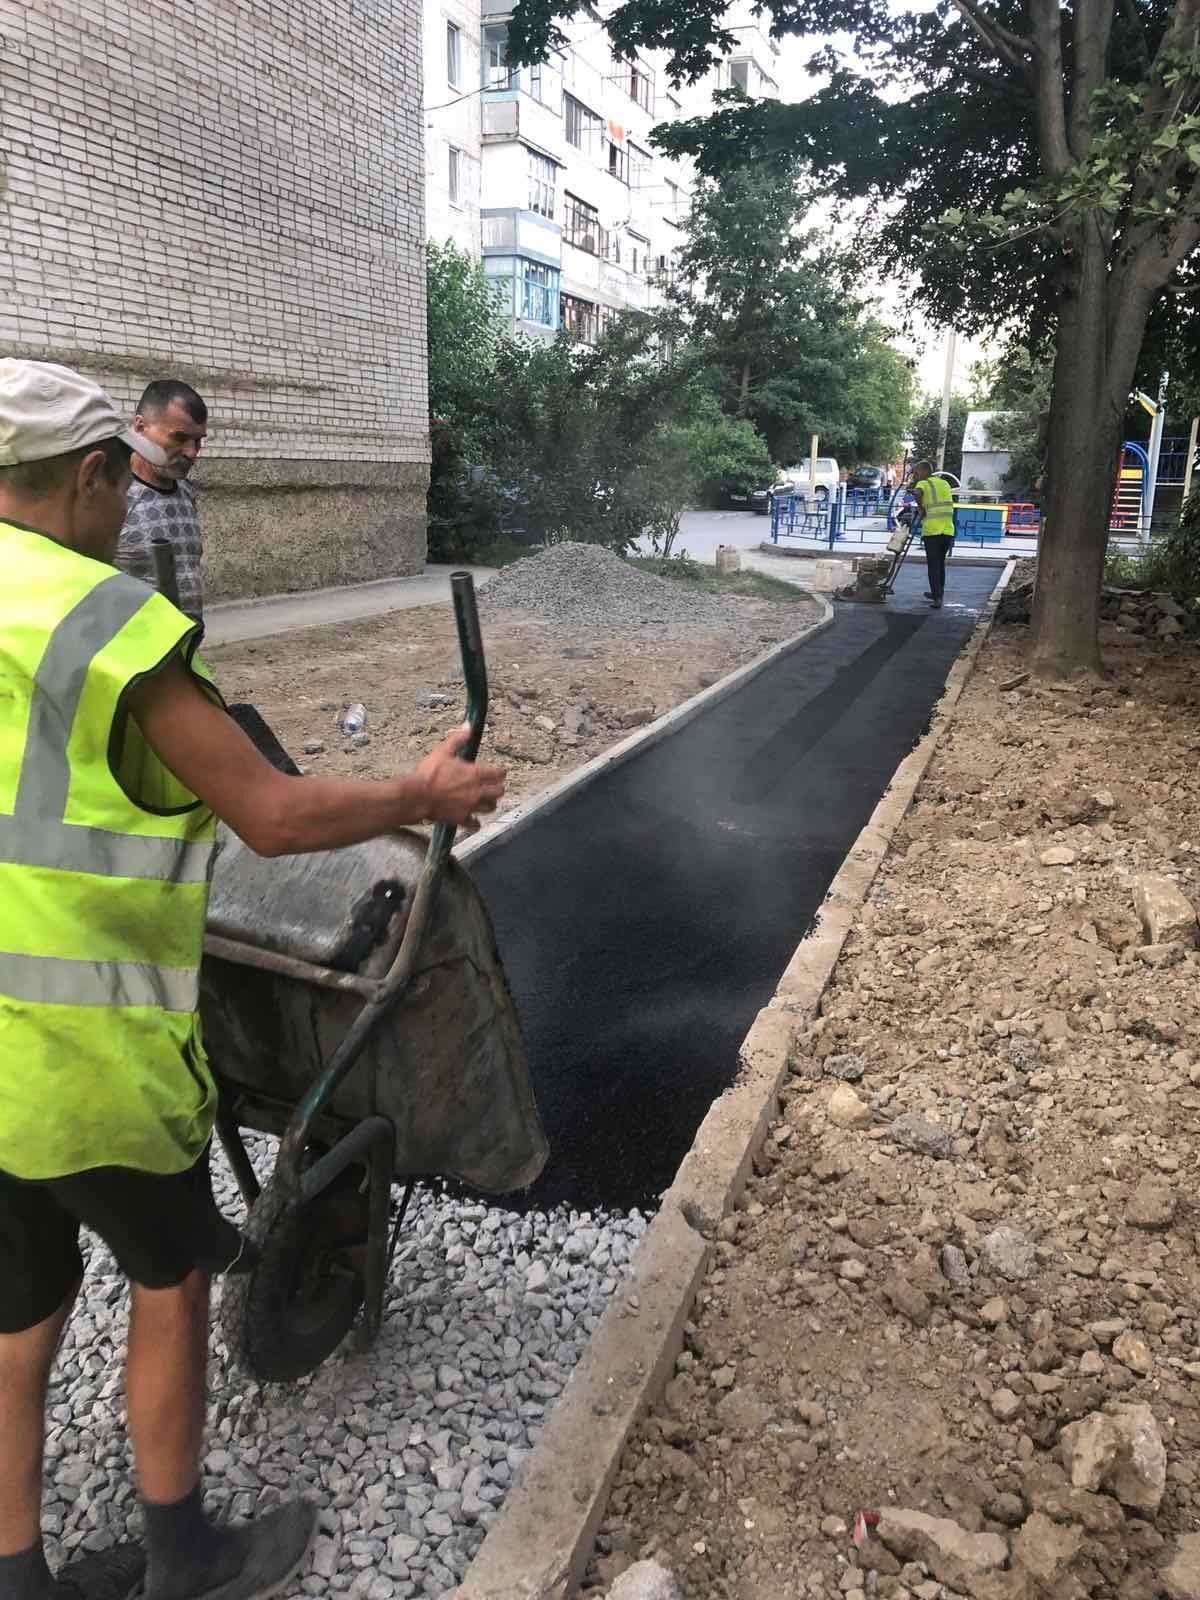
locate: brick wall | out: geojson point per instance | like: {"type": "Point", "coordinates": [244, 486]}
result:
{"type": "Point", "coordinates": [231, 191]}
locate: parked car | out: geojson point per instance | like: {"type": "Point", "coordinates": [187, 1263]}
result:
{"type": "Point", "coordinates": [737, 497]}
{"type": "Point", "coordinates": [825, 481]}
{"type": "Point", "coordinates": [866, 478]}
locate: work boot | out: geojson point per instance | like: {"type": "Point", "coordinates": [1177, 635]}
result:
{"type": "Point", "coordinates": [935, 605]}
{"type": "Point", "coordinates": [258, 1559]}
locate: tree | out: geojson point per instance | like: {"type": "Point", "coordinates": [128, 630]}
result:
{"type": "Point", "coordinates": [785, 341]}
{"type": "Point", "coordinates": [604, 443]}
{"type": "Point", "coordinates": [925, 429]}
{"type": "Point", "coordinates": [1044, 161]}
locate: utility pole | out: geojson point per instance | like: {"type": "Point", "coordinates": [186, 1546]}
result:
{"type": "Point", "coordinates": [947, 385]}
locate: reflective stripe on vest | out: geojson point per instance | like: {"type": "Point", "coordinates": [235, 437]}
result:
{"type": "Point", "coordinates": [104, 860]}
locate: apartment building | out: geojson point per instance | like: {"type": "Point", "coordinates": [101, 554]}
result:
{"type": "Point", "coordinates": [233, 195]}
{"type": "Point", "coordinates": [547, 174]}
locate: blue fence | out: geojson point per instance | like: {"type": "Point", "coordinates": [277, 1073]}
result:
{"type": "Point", "coordinates": [863, 516]}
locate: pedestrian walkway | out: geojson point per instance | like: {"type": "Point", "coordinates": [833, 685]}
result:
{"type": "Point", "coordinates": [647, 919]}
{"type": "Point", "coordinates": [236, 620]}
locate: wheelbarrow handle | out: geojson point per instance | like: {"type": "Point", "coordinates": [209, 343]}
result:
{"type": "Point", "coordinates": [474, 665]}
{"type": "Point", "coordinates": [162, 553]}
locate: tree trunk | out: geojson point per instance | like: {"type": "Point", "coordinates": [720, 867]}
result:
{"type": "Point", "coordinates": [1091, 385]}
{"type": "Point", "coordinates": [744, 390]}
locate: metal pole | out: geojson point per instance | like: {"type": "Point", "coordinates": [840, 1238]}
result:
{"type": "Point", "coordinates": [1156, 434]}
{"type": "Point", "coordinates": [944, 416]}
{"type": "Point", "coordinates": [812, 468]}
{"type": "Point", "coordinates": [1191, 458]}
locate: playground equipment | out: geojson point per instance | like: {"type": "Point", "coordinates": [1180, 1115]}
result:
{"type": "Point", "coordinates": [1133, 492]}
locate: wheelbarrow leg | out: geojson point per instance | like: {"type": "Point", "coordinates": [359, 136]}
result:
{"type": "Point", "coordinates": [375, 1273]}
{"type": "Point", "coordinates": [235, 1154]}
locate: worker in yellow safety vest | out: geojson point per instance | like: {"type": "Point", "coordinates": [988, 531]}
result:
{"type": "Point", "coordinates": [936, 500]}
{"type": "Point", "coordinates": [116, 756]}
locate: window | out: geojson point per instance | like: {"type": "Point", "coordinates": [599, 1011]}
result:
{"type": "Point", "coordinates": [638, 254]}
{"type": "Point", "coordinates": [739, 75]}
{"type": "Point", "coordinates": [579, 318]}
{"type": "Point", "coordinates": [581, 125]}
{"type": "Point", "coordinates": [545, 83]}
{"type": "Point", "coordinates": [664, 271]}
{"type": "Point", "coordinates": [541, 184]}
{"type": "Point", "coordinates": [453, 55]}
{"type": "Point", "coordinates": [496, 71]}
{"type": "Point", "coordinates": [672, 206]}
{"type": "Point", "coordinates": [454, 176]}
{"type": "Point", "coordinates": [581, 224]}
{"type": "Point", "coordinates": [610, 245]}
{"type": "Point", "coordinates": [640, 84]}
{"type": "Point", "coordinates": [539, 291]}
{"type": "Point", "coordinates": [639, 166]}
{"type": "Point", "coordinates": [618, 162]}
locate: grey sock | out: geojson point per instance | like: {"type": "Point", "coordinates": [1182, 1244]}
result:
{"type": "Point", "coordinates": [26, 1576]}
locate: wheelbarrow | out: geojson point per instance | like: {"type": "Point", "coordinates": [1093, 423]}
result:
{"type": "Point", "coordinates": [354, 1004]}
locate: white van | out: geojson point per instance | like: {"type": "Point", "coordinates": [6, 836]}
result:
{"type": "Point", "coordinates": [825, 482]}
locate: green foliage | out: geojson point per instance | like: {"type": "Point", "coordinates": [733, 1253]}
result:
{"type": "Point", "coordinates": [785, 342]}
{"type": "Point", "coordinates": [1016, 385]}
{"type": "Point", "coordinates": [1170, 564]}
{"type": "Point", "coordinates": [925, 433]}
{"type": "Point", "coordinates": [603, 444]}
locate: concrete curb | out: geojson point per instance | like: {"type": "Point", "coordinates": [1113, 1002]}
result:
{"type": "Point", "coordinates": [539, 1546]}
{"type": "Point", "coordinates": [548, 799]}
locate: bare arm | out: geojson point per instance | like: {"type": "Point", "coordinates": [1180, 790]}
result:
{"type": "Point", "coordinates": [278, 815]}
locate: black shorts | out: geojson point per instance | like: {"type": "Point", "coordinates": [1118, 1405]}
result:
{"type": "Point", "coordinates": [159, 1228]}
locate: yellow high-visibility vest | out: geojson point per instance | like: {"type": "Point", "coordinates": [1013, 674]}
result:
{"type": "Point", "coordinates": [938, 520]}
{"type": "Point", "coordinates": [104, 865]}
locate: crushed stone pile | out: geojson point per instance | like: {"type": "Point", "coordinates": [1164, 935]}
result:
{"type": "Point", "coordinates": [585, 583]}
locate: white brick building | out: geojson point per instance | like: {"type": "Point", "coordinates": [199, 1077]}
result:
{"type": "Point", "coordinates": [233, 195]}
{"type": "Point", "coordinates": [547, 173]}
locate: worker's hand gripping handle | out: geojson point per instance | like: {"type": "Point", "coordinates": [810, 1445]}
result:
{"type": "Point", "coordinates": [470, 644]}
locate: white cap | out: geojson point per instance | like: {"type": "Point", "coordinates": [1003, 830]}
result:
{"type": "Point", "coordinates": [47, 410]}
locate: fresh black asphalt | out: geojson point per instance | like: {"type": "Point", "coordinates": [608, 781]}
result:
{"type": "Point", "coordinates": [646, 920]}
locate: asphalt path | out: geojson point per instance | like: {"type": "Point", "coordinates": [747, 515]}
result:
{"type": "Point", "coordinates": [646, 920]}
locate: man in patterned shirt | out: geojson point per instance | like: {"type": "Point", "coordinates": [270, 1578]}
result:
{"type": "Point", "coordinates": [162, 504]}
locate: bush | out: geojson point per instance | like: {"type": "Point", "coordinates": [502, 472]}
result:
{"type": "Point", "coordinates": [1170, 564]}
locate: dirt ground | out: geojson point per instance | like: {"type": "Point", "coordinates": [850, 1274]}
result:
{"type": "Point", "coordinates": [890, 1331]}
{"type": "Point", "coordinates": [560, 693]}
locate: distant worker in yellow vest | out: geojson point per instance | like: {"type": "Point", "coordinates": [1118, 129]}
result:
{"type": "Point", "coordinates": [937, 526]}
{"type": "Point", "coordinates": [116, 756]}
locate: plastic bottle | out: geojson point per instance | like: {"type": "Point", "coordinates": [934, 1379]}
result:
{"type": "Point", "coordinates": [353, 719]}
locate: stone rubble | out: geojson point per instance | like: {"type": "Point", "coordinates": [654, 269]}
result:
{"type": "Point", "coordinates": [572, 582]}
{"type": "Point", "coordinates": [408, 1449]}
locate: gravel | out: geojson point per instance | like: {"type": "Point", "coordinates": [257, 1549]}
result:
{"type": "Point", "coordinates": [586, 583]}
{"type": "Point", "coordinates": [409, 1448]}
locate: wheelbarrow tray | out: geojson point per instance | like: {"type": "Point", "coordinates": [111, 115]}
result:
{"type": "Point", "coordinates": [298, 945]}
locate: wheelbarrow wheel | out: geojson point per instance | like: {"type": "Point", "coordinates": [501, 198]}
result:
{"type": "Point", "coordinates": [288, 1314]}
